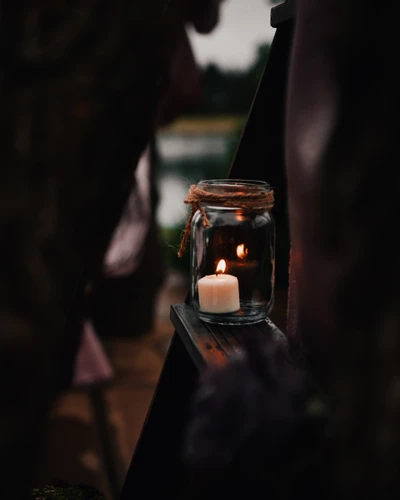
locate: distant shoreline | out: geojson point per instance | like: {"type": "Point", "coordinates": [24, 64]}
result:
{"type": "Point", "coordinates": [189, 125]}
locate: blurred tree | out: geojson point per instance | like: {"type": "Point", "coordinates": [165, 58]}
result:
{"type": "Point", "coordinates": [258, 66]}
{"type": "Point", "coordinates": [231, 91]}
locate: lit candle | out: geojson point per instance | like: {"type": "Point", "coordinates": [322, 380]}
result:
{"type": "Point", "coordinates": [219, 292]}
{"type": "Point", "coordinates": [245, 270]}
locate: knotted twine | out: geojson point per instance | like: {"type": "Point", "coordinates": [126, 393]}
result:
{"type": "Point", "coordinates": [259, 201]}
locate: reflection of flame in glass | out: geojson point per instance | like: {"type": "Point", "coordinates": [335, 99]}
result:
{"type": "Point", "coordinates": [221, 267]}
{"type": "Point", "coordinates": [242, 251]}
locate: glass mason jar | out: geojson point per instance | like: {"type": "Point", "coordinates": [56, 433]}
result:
{"type": "Point", "coordinates": [232, 254]}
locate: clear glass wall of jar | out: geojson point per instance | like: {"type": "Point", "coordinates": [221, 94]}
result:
{"type": "Point", "coordinates": [233, 259]}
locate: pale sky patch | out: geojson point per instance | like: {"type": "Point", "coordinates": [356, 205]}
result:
{"type": "Point", "coordinates": [244, 25]}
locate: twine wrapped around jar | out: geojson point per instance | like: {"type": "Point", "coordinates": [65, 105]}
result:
{"type": "Point", "coordinates": [257, 201]}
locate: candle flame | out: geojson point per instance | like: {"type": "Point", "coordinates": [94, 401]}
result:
{"type": "Point", "coordinates": [242, 251]}
{"type": "Point", "coordinates": [221, 267]}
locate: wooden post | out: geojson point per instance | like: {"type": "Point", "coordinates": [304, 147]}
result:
{"type": "Point", "coordinates": [157, 466]}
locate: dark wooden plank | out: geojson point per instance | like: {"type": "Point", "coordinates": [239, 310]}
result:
{"type": "Point", "coordinates": [196, 337]}
{"type": "Point", "coordinates": [282, 13]}
{"type": "Point", "coordinates": [224, 334]}
{"type": "Point", "coordinates": [274, 331]}
{"type": "Point", "coordinates": [214, 344]}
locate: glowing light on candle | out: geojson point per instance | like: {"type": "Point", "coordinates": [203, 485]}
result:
{"type": "Point", "coordinates": [219, 292]}
{"type": "Point", "coordinates": [242, 251]}
{"type": "Point", "coordinates": [220, 267]}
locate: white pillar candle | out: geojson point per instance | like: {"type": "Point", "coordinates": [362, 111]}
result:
{"type": "Point", "coordinates": [219, 293]}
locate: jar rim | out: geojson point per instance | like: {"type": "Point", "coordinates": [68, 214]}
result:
{"type": "Point", "coordinates": [229, 184]}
